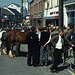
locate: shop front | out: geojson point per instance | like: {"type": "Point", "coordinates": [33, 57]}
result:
{"type": "Point", "coordinates": [36, 20]}
{"type": "Point", "coordinates": [51, 16]}
{"type": "Point", "coordinates": [39, 20]}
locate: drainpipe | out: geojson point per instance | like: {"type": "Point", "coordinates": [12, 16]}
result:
{"type": "Point", "coordinates": [22, 10]}
{"type": "Point", "coordinates": [61, 14]}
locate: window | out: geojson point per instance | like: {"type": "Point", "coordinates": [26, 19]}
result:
{"type": "Point", "coordinates": [55, 3]}
{"type": "Point", "coordinates": [11, 5]}
{"type": "Point", "coordinates": [50, 3]}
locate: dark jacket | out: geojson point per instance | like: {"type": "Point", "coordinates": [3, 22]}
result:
{"type": "Point", "coordinates": [44, 37]}
{"type": "Point", "coordinates": [67, 34]}
{"type": "Point", "coordinates": [73, 38]}
{"type": "Point", "coordinates": [55, 39]}
{"type": "Point", "coordinates": [32, 40]}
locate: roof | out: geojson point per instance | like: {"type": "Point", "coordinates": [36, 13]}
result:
{"type": "Point", "coordinates": [14, 4]}
{"type": "Point", "coordinates": [15, 11]}
{"type": "Point", "coordinates": [5, 12]}
{"type": "Point", "coordinates": [32, 1]}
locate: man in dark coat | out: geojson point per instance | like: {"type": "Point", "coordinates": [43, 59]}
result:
{"type": "Point", "coordinates": [73, 44]}
{"type": "Point", "coordinates": [33, 46]}
{"type": "Point", "coordinates": [44, 49]}
{"type": "Point", "coordinates": [57, 44]}
{"type": "Point", "coordinates": [67, 35]}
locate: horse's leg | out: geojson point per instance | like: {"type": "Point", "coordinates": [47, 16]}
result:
{"type": "Point", "coordinates": [0, 47]}
{"type": "Point", "coordinates": [10, 51]}
{"type": "Point", "coordinates": [17, 53]}
{"type": "Point", "coordinates": [0, 51]}
{"type": "Point", "coordinates": [3, 48]}
{"type": "Point", "coordinates": [7, 46]}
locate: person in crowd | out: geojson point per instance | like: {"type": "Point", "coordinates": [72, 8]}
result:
{"type": "Point", "coordinates": [38, 32]}
{"type": "Point", "coordinates": [73, 44]}
{"type": "Point", "coordinates": [51, 51]}
{"type": "Point", "coordinates": [44, 49]}
{"type": "Point", "coordinates": [67, 34]}
{"type": "Point", "coordinates": [52, 28]}
{"type": "Point", "coordinates": [12, 28]}
{"type": "Point", "coordinates": [33, 46]}
{"type": "Point", "coordinates": [57, 44]}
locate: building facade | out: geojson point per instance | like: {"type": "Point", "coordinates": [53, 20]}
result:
{"type": "Point", "coordinates": [37, 12]}
{"type": "Point", "coordinates": [46, 12]}
{"type": "Point", "coordinates": [9, 16]}
{"type": "Point", "coordinates": [69, 12]}
{"type": "Point", "coordinates": [51, 12]}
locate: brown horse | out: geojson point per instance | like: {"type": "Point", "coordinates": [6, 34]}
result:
{"type": "Point", "coordinates": [19, 38]}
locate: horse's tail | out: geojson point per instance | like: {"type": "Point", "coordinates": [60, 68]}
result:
{"type": "Point", "coordinates": [7, 45]}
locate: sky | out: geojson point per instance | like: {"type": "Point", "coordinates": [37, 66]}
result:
{"type": "Point", "coordinates": [7, 2]}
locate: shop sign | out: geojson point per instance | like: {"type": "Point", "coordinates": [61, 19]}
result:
{"type": "Point", "coordinates": [51, 13]}
{"type": "Point", "coordinates": [56, 17]}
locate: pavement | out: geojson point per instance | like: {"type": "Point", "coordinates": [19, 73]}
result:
{"type": "Point", "coordinates": [18, 66]}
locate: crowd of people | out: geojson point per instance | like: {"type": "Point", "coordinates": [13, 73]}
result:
{"type": "Point", "coordinates": [50, 41]}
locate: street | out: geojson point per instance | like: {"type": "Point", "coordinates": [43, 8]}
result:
{"type": "Point", "coordinates": [18, 66]}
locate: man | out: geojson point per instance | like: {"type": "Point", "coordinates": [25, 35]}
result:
{"type": "Point", "coordinates": [51, 51]}
{"type": "Point", "coordinates": [73, 44]}
{"type": "Point", "coordinates": [67, 35]}
{"type": "Point", "coordinates": [38, 32]}
{"type": "Point", "coordinates": [57, 44]}
{"type": "Point", "coordinates": [44, 49]}
{"type": "Point", "coordinates": [33, 45]}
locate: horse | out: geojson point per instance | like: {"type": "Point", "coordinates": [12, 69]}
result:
{"type": "Point", "coordinates": [19, 38]}
{"type": "Point", "coordinates": [3, 41]}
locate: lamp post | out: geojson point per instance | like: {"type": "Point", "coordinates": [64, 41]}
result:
{"type": "Point", "coordinates": [22, 10]}
{"type": "Point", "coordinates": [61, 14]}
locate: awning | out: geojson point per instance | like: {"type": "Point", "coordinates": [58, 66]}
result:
{"type": "Point", "coordinates": [52, 17]}
{"type": "Point", "coordinates": [49, 17]}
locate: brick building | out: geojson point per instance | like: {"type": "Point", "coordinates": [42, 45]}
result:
{"type": "Point", "coordinates": [37, 12]}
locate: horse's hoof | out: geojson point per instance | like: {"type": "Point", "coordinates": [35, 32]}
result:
{"type": "Point", "coordinates": [14, 55]}
{"type": "Point", "coordinates": [0, 53]}
{"type": "Point", "coordinates": [4, 52]}
{"type": "Point", "coordinates": [10, 56]}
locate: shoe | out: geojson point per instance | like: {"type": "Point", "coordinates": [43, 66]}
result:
{"type": "Point", "coordinates": [35, 66]}
{"type": "Point", "coordinates": [41, 64]}
{"type": "Point", "coordinates": [46, 64]}
{"type": "Point", "coordinates": [29, 65]}
{"type": "Point", "coordinates": [53, 70]}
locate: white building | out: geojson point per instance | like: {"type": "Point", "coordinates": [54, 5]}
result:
{"type": "Point", "coordinates": [69, 12]}
{"type": "Point", "coordinates": [51, 12]}
{"type": "Point", "coordinates": [26, 7]}
{"type": "Point", "coordinates": [15, 6]}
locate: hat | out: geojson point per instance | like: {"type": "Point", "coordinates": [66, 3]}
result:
{"type": "Point", "coordinates": [70, 25]}
{"type": "Point", "coordinates": [44, 28]}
